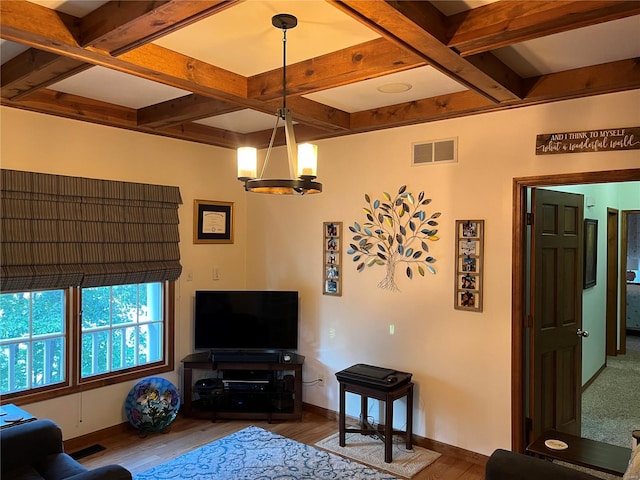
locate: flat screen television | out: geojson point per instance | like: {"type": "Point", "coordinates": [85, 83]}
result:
{"type": "Point", "coordinates": [246, 320]}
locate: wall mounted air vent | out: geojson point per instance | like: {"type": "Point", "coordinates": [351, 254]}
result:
{"type": "Point", "coordinates": [435, 151]}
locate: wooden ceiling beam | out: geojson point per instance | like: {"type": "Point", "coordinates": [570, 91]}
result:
{"type": "Point", "coordinates": [181, 110]}
{"type": "Point", "coordinates": [316, 114]}
{"type": "Point", "coordinates": [114, 27]}
{"type": "Point", "coordinates": [595, 80]}
{"type": "Point", "coordinates": [77, 108]}
{"type": "Point", "coordinates": [195, 132]}
{"type": "Point", "coordinates": [102, 113]}
{"type": "Point", "coordinates": [304, 133]}
{"type": "Point", "coordinates": [40, 27]}
{"type": "Point", "coordinates": [429, 109]}
{"type": "Point", "coordinates": [35, 69]}
{"type": "Point", "coordinates": [368, 60]}
{"type": "Point", "coordinates": [117, 27]}
{"type": "Point", "coordinates": [410, 24]}
{"type": "Point", "coordinates": [513, 21]}
{"type": "Point", "coordinates": [581, 82]}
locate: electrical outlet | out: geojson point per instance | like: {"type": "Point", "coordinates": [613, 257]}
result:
{"type": "Point", "coordinates": [321, 379]}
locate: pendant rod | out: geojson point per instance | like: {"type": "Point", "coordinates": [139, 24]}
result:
{"type": "Point", "coordinates": [284, 68]}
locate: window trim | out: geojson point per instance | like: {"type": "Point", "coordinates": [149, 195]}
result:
{"type": "Point", "coordinates": [74, 383]}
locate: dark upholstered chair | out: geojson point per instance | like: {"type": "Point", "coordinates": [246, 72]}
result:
{"type": "Point", "coordinates": [34, 451]}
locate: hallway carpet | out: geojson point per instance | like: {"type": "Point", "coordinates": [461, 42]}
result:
{"type": "Point", "coordinates": [611, 404]}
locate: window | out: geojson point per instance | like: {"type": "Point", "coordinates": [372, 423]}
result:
{"type": "Point", "coordinates": [93, 263]}
{"type": "Point", "coordinates": [33, 340]}
{"type": "Point", "coordinates": [121, 334]}
{"type": "Point", "coordinates": [122, 327]}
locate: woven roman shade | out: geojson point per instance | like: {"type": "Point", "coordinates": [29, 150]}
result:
{"type": "Point", "coordinates": [59, 231]}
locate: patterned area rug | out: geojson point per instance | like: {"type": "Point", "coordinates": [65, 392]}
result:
{"type": "Point", "coordinates": [370, 450]}
{"type": "Point", "coordinates": [254, 453]}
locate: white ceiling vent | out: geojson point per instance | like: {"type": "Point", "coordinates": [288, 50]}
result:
{"type": "Point", "coordinates": [435, 151]}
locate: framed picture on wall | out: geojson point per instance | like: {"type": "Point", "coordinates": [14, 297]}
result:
{"type": "Point", "coordinates": [590, 252]}
{"type": "Point", "coordinates": [332, 258]}
{"type": "Point", "coordinates": [469, 265]}
{"type": "Point", "coordinates": [212, 222]}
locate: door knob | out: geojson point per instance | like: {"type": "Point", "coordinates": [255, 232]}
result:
{"type": "Point", "coordinates": [582, 333]}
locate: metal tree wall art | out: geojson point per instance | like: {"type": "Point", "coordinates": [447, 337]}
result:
{"type": "Point", "coordinates": [396, 232]}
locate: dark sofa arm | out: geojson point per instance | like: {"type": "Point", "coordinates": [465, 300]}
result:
{"type": "Point", "coordinates": [108, 472]}
{"type": "Point", "coordinates": [22, 444]}
{"type": "Point", "coordinates": [505, 465]}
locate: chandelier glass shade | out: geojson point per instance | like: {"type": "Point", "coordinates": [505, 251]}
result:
{"type": "Point", "coordinates": [303, 158]}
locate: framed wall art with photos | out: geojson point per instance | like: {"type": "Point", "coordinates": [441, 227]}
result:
{"type": "Point", "coordinates": [332, 258]}
{"type": "Point", "coordinates": [212, 222]}
{"type": "Point", "coordinates": [469, 265]}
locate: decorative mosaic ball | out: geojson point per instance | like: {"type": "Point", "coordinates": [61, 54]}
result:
{"type": "Point", "coordinates": [152, 404]}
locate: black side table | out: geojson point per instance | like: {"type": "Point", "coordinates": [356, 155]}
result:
{"type": "Point", "coordinates": [382, 393]}
{"type": "Point", "coordinates": [11, 415]}
{"type": "Point", "coordinates": [585, 452]}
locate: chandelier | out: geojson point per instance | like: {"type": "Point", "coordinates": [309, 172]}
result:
{"type": "Point", "coordinates": [303, 158]}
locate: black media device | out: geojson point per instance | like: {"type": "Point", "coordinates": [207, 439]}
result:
{"type": "Point", "coordinates": [232, 323]}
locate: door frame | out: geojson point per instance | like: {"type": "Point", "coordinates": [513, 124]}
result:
{"type": "Point", "coordinates": [624, 230]}
{"type": "Point", "coordinates": [519, 272]}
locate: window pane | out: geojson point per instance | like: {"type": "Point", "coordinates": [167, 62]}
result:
{"type": "Point", "coordinates": [122, 353]}
{"type": "Point", "coordinates": [48, 362]}
{"type": "Point", "coordinates": [150, 349]}
{"type": "Point", "coordinates": [14, 315]}
{"type": "Point", "coordinates": [96, 307]}
{"type": "Point", "coordinates": [125, 304]}
{"type": "Point", "coordinates": [95, 353]}
{"type": "Point", "coordinates": [14, 366]}
{"type": "Point", "coordinates": [151, 303]}
{"type": "Point", "coordinates": [48, 312]}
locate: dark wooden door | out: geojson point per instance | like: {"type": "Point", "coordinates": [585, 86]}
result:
{"type": "Point", "coordinates": [556, 308]}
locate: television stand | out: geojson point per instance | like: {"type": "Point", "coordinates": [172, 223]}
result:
{"type": "Point", "coordinates": [264, 389]}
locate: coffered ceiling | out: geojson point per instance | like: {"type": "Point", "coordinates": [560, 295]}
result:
{"type": "Point", "coordinates": [210, 71]}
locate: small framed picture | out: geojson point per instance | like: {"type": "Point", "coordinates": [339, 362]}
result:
{"type": "Point", "coordinates": [212, 222]}
{"type": "Point", "coordinates": [468, 300]}
{"type": "Point", "coordinates": [468, 281]}
{"type": "Point", "coordinates": [469, 265]}
{"type": "Point", "coordinates": [469, 229]}
{"type": "Point", "coordinates": [468, 247]}
{"type": "Point", "coordinates": [332, 257]}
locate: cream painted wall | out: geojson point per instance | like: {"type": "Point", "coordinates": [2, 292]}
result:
{"type": "Point", "coordinates": [460, 360]}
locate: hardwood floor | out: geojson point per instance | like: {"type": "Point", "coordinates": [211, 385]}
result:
{"type": "Point", "coordinates": [125, 447]}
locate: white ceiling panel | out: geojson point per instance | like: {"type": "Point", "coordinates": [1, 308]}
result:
{"type": "Point", "coordinates": [602, 43]}
{"type": "Point", "coordinates": [77, 8]}
{"type": "Point", "coordinates": [118, 88]}
{"type": "Point", "coordinates": [242, 121]}
{"type": "Point", "coordinates": [425, 82]}
{"type": "Point", "coordinates": [243, 40]}
{"type": "Point", "coordinates": [9, 50]}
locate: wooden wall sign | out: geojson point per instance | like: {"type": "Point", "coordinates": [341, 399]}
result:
{"type": "Point", "coordinates": [603, 140]}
